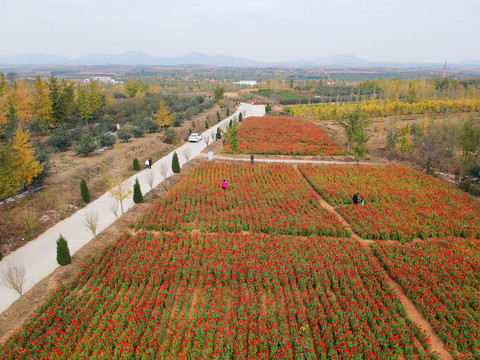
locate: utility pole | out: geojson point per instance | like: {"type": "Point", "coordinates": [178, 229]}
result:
{"type": "Point", "coordinates": [445, 69]}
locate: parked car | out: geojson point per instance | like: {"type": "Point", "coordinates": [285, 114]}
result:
{"type": "Point", "coordinates": [194, 137]}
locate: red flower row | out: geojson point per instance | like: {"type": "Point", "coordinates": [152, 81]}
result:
{"type": "Point", "coordinates": [400, 203]}
{"type": "Point", "coordinates": [442, 277]}
{"type": "Point", "coordinates": [284, 135]}
{"type": "Point", "coordinates": [223, 296]}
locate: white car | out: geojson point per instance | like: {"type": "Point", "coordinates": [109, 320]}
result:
{"type": "Point", "coordinates": [194, 137]}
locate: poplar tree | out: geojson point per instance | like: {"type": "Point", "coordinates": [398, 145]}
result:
{"type": "Point", "coordinates": [26, 161]}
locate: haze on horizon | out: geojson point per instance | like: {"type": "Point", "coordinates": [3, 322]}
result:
{"type": "Point", "coordinates": [267, 30]}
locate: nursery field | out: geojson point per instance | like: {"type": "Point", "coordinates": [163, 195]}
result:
{"type": "Point", "coordinates": [262, 271]}
{"type": "Point", "coordinates": [218, 296]}
{"type": "Point", "coordinates": [442, 277]}
{"type": "Point", "coordinates": [400, 203]}
{"type": "Point", "coordinates": [270, 199]}
{"type": "Point", "coordinates": [284, 136]}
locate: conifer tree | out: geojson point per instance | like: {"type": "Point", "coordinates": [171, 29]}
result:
{"type": "Point", "coordinates": [175, 163]}
{"type": "Point", "coordinates": [26, 160]}
{"type": "Point", "coordinates": [63, 253]}
{"type": "Point", "coordinates": [10, 177]}
{"type": "Point", "coordinates": [41, 103]}
{"type": "Point", "coordinates": [84, 191]}
{"type": "Point", "coordinates": [137, 193]}
{"type": "Point", "coordinates": [136, 164]}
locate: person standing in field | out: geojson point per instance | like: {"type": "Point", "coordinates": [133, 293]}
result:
{"type": "Point", "coordinates": [355, 198]}
{"type": "Point", "coordinates": [223, 142]}
{"type": "Point", "coordinates": [252, 159]}
{"type": "Point", "coordinates": [224, 185]}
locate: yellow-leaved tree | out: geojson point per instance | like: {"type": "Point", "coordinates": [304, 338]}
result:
{"type": "Point", "coordinates": [90, 99]}
{"type": "Point", "coordinates": [26, 161]}
{"type": "Point", "coordinates": [22, 101]}
{"type": "Point", "coordinates": [41, 103]}
{"type": "Point", "coordinates": [163, 118]}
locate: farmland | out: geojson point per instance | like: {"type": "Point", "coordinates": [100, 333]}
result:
{"type": "Point", "coordinates": [441, 277]}
{"type": "Point", "coordinates": [223, 296]}
{"type": "Point", "coordinates": [401, 203]}
{"type": "Point", "coordinates": [285, 136]}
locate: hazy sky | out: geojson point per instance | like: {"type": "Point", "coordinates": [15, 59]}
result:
{"type": "Point", "coordinates": [378, 30]}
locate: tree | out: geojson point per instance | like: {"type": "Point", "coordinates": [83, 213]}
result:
{"type": "Point", "coordinates": [163, 118]}
{"type": "Point", "coordinates": [469, 140]}
{"type": "Point", "coordinates": [232, 135]}
{"type": "Point", "coordinates": [26, 160]}
{"type": "Point", "coordinates": [124, 134]}
{"type": "Point", "coordinates": [90, 99]}
{"type": "Point", "coordinates": [118, 189]}
{"type": "Point", "coordinates": [41, 103]}
{"type": "Point", "coordinates": [268, 108]}
{"type": "Point", "coordinates": [136, 164]}
{"type": "Point", "coordinates": [63, 252]}
{"type": "Point", "coordinates": [135, 88]}
{"type": "Point", "coordinates": [10, 176]}
{"type": "Point", "coordinates": [240, 117]}
{"type": "Point", "coordinates": [62, 98]}
{"type": "Point", "coordinates": [355, 125]}
{"type": "Point", "coordinates": [84, 191]}
{"type": "Point", "coordinates": [86, 145]}
{"type": "Point", "coordinates": [60, 139]}
{"type": "Point", "coordinates": [171, 136]}
{"type": "Point", "coordinates": [22, 102]}
{"type": "Point", "coordinates": [218, 94]}
{"type": "Point", "coordinates": [175, 163]}
{"type": "Point", "coordinates": [137, 193]}
{"type": "Point", "coordinates": [433, 148]}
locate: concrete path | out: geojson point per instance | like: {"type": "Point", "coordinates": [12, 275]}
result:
{"type": "Point", "coordinates": [39, 255]}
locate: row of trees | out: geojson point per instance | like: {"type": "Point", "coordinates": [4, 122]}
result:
{"type": "Point", "coordinates": [18, 164]}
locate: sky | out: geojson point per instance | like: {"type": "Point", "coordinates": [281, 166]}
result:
{"type": "Point", "coordinates": [268, 30]}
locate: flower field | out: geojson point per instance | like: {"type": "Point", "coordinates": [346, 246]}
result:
{"type": "Point", "coordinates": [286, 136]}
{"type": "Point", "coordinates": [442, 277]}
{"type": "Point", "coordinates": [400, 203]}
{"type": "Point", "coordinates": [223, 296]}
{"type": "Point", "coordinates": [260, 198]}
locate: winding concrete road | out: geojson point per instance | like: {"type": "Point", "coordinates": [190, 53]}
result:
{"type": "Point", "coordinates": [39, 255]}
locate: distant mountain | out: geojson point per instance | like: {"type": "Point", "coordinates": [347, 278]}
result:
{"type": "Point", "coordinates": [195, 58]}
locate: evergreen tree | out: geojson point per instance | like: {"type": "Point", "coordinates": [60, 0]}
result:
{"type": "Point", "coordinates": [84, 191]}
{"type": "Point", "coordinates": [86, 144]}
{"type": "Point", "coordinates": [232, 136]}
{"type": "Point", "coordinates": [175, 163]}
{"type": "Point", "coordinates": [10, 176]}
{"type": "Point", "coordinates": [63, 253]}
{"type": "Point", "coordinates": [218, 117]}
{"type": "Point", "coordinates": [136, 164]}
{"type": "Point", "coordinates": [240, 117]}
{"type": "Point", "coordinates": [137, 193]}
{"type": "Point", "coordinates": [26, 159]}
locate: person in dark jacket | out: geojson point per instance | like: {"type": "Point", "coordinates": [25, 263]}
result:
{"type": "Point", "coordinates": [355, 198]}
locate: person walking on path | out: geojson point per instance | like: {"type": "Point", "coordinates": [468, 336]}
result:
{"type": "Point", "coordinates": [147, 164]}
{"type": "Point", "coordinates": [224, 185]}
{"type": "Point", "coordinates": [252, 159]}
{"type": "Point", "coordinates": [150, 163]}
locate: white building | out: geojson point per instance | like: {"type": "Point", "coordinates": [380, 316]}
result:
{"type": "Point", "coordinates": [246, 82]}
{"type": "Point", "coordinates": [101, 79]}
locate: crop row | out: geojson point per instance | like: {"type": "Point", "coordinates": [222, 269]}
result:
{"type": "Point", "coordinates": [442, 277]}
{"type": "Point", "coordinates": [400, 203]}
{"type": "Point", "coordinates": [378, 108]}
{"type": "Point", "coordinates": [286, 136]}
{"type": "Point", "coordinates": [261, 198]}
{"type": "Point", "coordinates": [223, 296]}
